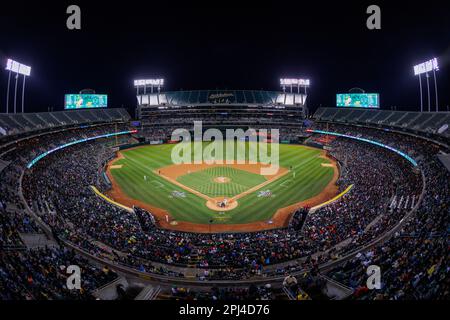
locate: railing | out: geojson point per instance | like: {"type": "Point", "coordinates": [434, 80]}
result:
{"type": "Point", "coordinates": [148, 293]}
{"type": "Point", "coordinates": [288, 293]}
{"type": "Point", "coordinates": [346, 290]}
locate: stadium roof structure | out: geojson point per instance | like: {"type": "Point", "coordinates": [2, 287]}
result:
{"type": "Point", "coordinates": [224, 97]}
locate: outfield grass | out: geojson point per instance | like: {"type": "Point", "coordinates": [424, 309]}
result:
{"type": "Point", "coordinates": [310, 180]}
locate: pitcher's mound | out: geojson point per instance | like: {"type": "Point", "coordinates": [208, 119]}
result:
{"type": "Point", "coordinates": [222, 179]}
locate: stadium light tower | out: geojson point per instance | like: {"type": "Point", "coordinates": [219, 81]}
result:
{"type": "Point", "coordinates": [18, 69]}
{"type": "Point", "coordinates": [291, 83]}
{"type": "Point", "coordinates": [145, 83]}
{"type": "Point", "coordinates": [425, 68]}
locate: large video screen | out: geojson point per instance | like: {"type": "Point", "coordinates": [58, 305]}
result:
{"type": "Point", "coordinates": [83, 101]}
{"type": "Point", "coordinates": [358, 100]}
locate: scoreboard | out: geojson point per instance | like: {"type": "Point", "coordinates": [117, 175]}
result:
{"type": "Point", "coordinates": [85, 101]}
{"type": "Point", "coordinates": [358, 100]}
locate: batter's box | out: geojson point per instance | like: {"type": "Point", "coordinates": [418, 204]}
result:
{"type": "Point", "coordinates": [222, 218]}
{"type": "Point", "coordinates": [286, 183]}
{"type": "Point", "coordinates": [156, 184]}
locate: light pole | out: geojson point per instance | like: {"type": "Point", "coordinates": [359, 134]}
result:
{"type": "Point", "coordinates": [144, 83]}
{"type": "Point", "coordinates": [299, 83]}
{"type": "Point", "coordinates": [17, 68]}
{"type": "Point", "coordinates": [435, 90]}
{"type": "Point", "coordinates": [23, 95]}
{"type": "Point", "coordinates": [421, 95]}
{"type": "Point", "coordinates": [15, 93]}
{"type": "Point", "coordinates": [428, 91]}
{"type": "Point", "coordinates": [425, 68]}
{"type": "Point", "coordinates": [7, 92]}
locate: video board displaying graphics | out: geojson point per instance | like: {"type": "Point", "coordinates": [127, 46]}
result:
{"type": "Point", "coordinates": [84, 101]}
{"type": "Point", "coordinates": [358, 100]}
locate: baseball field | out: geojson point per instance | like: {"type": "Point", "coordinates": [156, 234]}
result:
{"type": "Point", "coordinates": [221, 197]}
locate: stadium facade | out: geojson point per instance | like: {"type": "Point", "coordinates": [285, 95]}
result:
{"type": "Point", "coordinates": [222, 107]}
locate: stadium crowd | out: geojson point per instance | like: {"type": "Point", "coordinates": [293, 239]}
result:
{"type": "Point", "coordinates": [414, 263]}
{"type": "Point", "coordinates": [58, 189]}
{"type": "Point", "coordinates": [41, 274]}
{"type": "Point", "coordinates": [65, 180]}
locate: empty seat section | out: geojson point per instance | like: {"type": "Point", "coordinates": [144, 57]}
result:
{"type": "Point", "coordinates": [249, 97]}
{"type": "Point", "coordinates": [5, 122]}
{"type": "Point", "coordinates": [61, 116]}
{"type": "Point", "coordinates": [355, 115]}
{"type": "Point", "coordinates": [35, 119]}
{"type": "Point", "coordinates": [417, 123]}
{"type": "Point", "coordinates": [319, 112]}
{"type": "Point", "coordinates": [394, 118]}
{"type": "Point", "coordinates": [25, 123]}
{"type": "Point", "coordinates": [329, 114]}
{"type": "Point", "coordinates": [125, 115]}
{"type": "Point", "coordinates": [115, 114]}
{"type": "Point", "coordinates": [75, 116]}
{"type": "Point", "coordinates": [86, 114]}
{"type": "Point", "coordinates": [380, 117]}
{"type": "Point", "coordinates": [405, 121]}
{"type": "Point", "coordinates": [341, 114]}
{"type": "Point", "coordinates": [445, 120]}
{"type": "Point", "coordinates": [96, 115]}
{"type": "Point", "coordinates": [49, 119]}
{"type": "Point", "coordinates": [368, 116]}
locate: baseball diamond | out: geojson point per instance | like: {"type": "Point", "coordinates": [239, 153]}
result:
{"type": "Point", "coordinates": [205, 181]}
{"type": "Point", "coordinates": [301, 167]}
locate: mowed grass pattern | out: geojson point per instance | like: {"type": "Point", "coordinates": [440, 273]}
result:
{"type": "Point", "coordinates": [310, 179]}
{"type": "Point", "coordinates": [203, 181]}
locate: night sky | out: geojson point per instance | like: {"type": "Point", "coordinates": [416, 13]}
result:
{"type": "Point", "coordinates": [225, 45]}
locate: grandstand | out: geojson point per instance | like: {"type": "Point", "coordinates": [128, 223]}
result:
{"type": "Point", "coordinates": [224, 160]}
{"type": "Point", "coordinates": [161, 113]}
{"type": "Point", "coordinates": [392, 206]}
{"type": "Point", "coordinates": [223, 108]}
{"type": "Point", "coordinates": [432, 123]}
{"type": "Point", "coordinates": [13, 124]}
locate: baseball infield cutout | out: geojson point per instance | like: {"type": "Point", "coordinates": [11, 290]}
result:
{"type": "Point", "coordinates": [280, 219]}
{"type": "Point", "coordinates": [172, 172]}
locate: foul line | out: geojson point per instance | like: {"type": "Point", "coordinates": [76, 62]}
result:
{"type": "Point", "coordinates": [110, 201]}
{"type": "Point", "coordinates": [332, 200]}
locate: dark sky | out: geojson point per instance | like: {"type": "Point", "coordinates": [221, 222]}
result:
{"type": "Point", "coordinates": [225, 45]}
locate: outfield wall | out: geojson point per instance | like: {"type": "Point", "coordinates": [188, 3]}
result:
{"type": "Point", "coordinates": [139, 144]}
